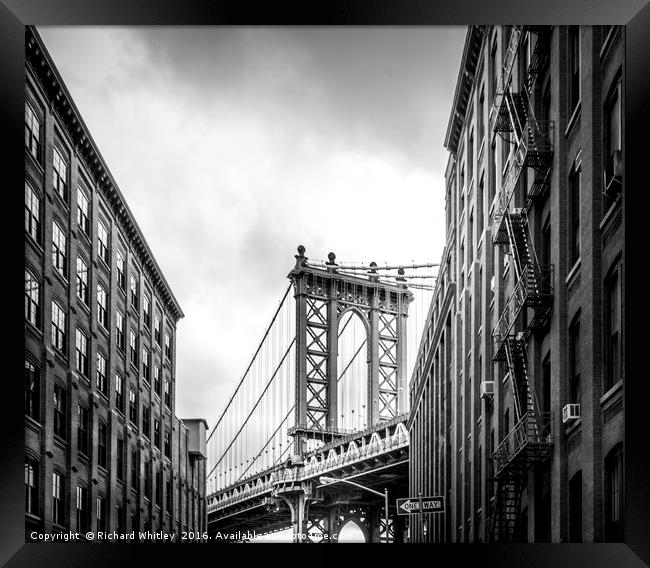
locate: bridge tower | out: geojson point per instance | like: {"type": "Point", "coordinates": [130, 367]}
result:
{"type": "Point", "coordinates": [323, 294]}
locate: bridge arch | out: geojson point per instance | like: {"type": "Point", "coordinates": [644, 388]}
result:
{"type": "Point", "coordinates": [353, 369]}
{"type": "Point", "coordinates": [353, 529]}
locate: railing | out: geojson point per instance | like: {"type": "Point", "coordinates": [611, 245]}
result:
{"type": "Point", "coordinates": [532, 289]}
{"type": "Point", "coordinates": [530, 440]}
{"type": "Point", "coordinates": [538, 140]}
{"type": "Point", "coordinates": [506, 71]}
{"type": "Point", "coordinates": [344, 457]}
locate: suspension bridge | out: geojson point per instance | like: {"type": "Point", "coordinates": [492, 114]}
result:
{"type": "Point", "coordinates": [314, 435]}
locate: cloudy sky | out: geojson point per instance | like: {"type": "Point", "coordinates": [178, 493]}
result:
{"type": "Point", "coordinates": [234, 145]}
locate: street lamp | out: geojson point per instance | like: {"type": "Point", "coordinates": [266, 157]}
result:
{"type": "Point", "coordinates": [330, 480]}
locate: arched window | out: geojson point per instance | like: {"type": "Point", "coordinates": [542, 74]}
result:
{"type": "Point", "coordinates": [614, 503]}
{"type": "Point", "coordinates": [32, 390]}
{"type": "Point", "coordinates": [32, 299]}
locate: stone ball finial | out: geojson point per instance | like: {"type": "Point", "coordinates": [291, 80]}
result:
{"type": "Point", "coordinates": [301, 250]}
{"type": "Point", "coordinates": [400, 271]}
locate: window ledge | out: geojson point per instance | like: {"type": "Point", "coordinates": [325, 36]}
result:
{"type": "Point", "coordinates": [573, 426]}
{"type": "Point", "coordinates": [34, 243]}
{"type": "Point", "coordinates": [611, 212]}
{"type": "Point", "coordinates": [612, 394]}
{"type": "Point", "coordinates": [33, 423]}
{"type": "Point", "coordinates": [575, 117]}
{"type": "Point", "coordinates": [574, 272]}
{"type": "Point", "coordinates": [29, 325]}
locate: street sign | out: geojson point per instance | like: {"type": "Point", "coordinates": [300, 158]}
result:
{"type": "Point", "coordinates": [411, 505]}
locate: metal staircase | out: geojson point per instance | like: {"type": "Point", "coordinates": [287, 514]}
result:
{"type": "Point", "coordinates": [529, 441]}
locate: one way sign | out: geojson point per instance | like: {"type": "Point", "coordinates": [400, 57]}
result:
{"type": "Point", "coordinates": [411, 506]}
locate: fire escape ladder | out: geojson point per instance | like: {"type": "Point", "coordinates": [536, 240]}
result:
{"type": "Point", "coordinates": [506, 509]}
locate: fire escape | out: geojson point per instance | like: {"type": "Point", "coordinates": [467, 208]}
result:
{"type": "Point", "coordinates": [512, 117]}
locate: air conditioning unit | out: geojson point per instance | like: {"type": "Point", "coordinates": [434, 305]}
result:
{"type": "Point", "coordinates": [487, 389]}
{"type": "Point", "coordinates": [613, 174]}
{"type": "Point", "coordinates": [570, 412]}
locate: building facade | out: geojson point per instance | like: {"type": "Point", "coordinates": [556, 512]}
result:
{"type": "Point", "coordinates": [104, 450]}
{"type": "Point", "coordinates": [517, 395]}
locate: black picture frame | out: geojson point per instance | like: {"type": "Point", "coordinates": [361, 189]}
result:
{"type": "Point", "coordinates": [634, 14]}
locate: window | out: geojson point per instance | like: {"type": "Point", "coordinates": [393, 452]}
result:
{"type": "Point", "coordinates": [480, 118]}
{"type": "Point", "coordinates": [147, 478]}
{"type": "Point", "coordinates": [169, 498]}
{"type": "Point", "coordinates": [133, 409]}
{"type": "Point", "coordinates": [60, 175]}
{"type": "Point", "coordinates": [614, 495]}
{"type": "Point", "coordinates": [82, 508]}
{"type": "Point", "coordinates": [146, 310]}
{"type": "Point", "coordinates": [134, 291]}
{"type": "Point", "coordinates": [102, 382]}
{"type": "Point", "coordinates": [135, 475]}
{"type": "Point", "coordinates": [546, 246]}
{"type": "Point", "coordinates": [159, 486]}
{"type": "Point", "coordinates": [168, 346]}
{"type": "Point", "coordinates": [574, 360]}
{"type": "Point", "coordinates": [479, 477]}
{"type": "Point", "coordinates": [479, 205]}
{"type": "Point", "coordinates": [120, 459]}
{"type": "Point", "coordinates": [470, 157]}
{"type": "Point", "coordinates": [546, 384]}
{"type": "Point", "coordinates": [119, 392]}
{"type": "Point", "coordinates": [612, 330]}
{"type": "Point", "coordinates": [168, 444]}
{"type": "Point", "coordinates": [156, 379]}
{"type": "Point", "coordinates": [493, 172]}
{"type": "Point", "coordinates": [59, 246]}
{"type": "Point", "coordinates": [102, 443]}
{"type": "Point", "coordinates": [494, 72]}
{"type": "Point", "coordinates": [156, 433]}
{"type": "Point", "coordinates": [613, 136]}
{"type": "Point", "coordinates": [59, 410]}
{"type": "Point", "coordinates": [119, 329]}
{"type": "Point", "coordinates": [58, 488]}
{"type": "Point", "coordinates": [82, 429]}
{"type": "Point", "coordinates": [167, 394]}
{"type": "Point", "coordinates": [83, 211]}
{"type": "Point", "coordinates": [31, 486]}
{"type": "Point", "coordinates": [133, 347]}
{"type": "Point", "coordinates": [82, 280]}
{"type": "Point", "coordinates": [461, 188]}
{"type": "Point", "coordinates": [101, 514]}
{"type": "Point", "coordinates": [574, 67]}
{"type": "Point", "coordinates": [120, 520]}
{"type": "Point", "coordinates": [32, 390]}
{"type": "Point", "coordinates": [506, 422]}
{"type": "Point", "coordinates": [146, 420]}
{"type": "Point", "coordinates": [102, 243]}
{"type": "Point", "coordinates": [146, 364]}
{"type": "Point", "coordinates": [32, 131]}
{"type": "Point", "coordinates": [470, 240]}
{"type": "Point", "coordinates": [81, 353]}
{"type": "Point", "coordinates": [574, 216]}
{"type": "Point", "coordinates": [157, 329]}
{"type": "Point", "coordinates": [102, 306]}
{"type": "Point", "coordinates": [575, 508]}
{"type": "Point", "coordinates": [32, 213]}
{"type": "Point", "coordinates": [121, 278]}
{"type": "Point", "coordinates": [32, 299]}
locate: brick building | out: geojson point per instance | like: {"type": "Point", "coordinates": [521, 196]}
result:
{"type": "Point", "coordinates": [103, 447]}
{"type": "Point", "coordinates": [517, 394]}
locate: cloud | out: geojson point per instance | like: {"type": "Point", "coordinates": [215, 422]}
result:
{"type": "Point", "coordinates": [234, 145]}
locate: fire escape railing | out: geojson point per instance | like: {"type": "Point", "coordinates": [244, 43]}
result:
{"type": "Point", "coordinates": [531, 438]}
